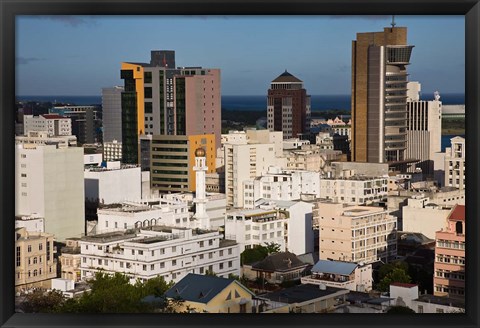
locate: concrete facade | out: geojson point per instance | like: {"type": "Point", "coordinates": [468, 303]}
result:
{"type": "Point", "coordinates": [455, 163]}
{"type": "Point", "coordinates": [112, 113]}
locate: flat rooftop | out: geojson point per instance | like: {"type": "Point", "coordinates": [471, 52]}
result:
{"type": "Point", "coordinates": [302, 293]}
{"type": "Point", "coordinates": [447, 301]}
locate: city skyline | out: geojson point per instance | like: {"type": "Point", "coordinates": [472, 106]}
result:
{"type": "Point", "coordinates": [80, 55]}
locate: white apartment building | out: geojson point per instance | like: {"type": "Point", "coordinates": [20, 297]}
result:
{"type": "Point", "coordinates": [455, 163]}
{"type": "Point", "coordinates": [113, 184]}
{"type": "Point", "coordinates": [422, 215]}
{"type": "Point", "coordinates": [244, 162]}
{"type": "Point", "coordinates": [142, 214]}
{"type": "Point", "coordinates": [49, 183]}
{"type": "Point", "coordinates": [252, 227]}
{"type": "Point", "coordinates": [53, 124]}
{"type": "Point", "coordinates": [354, 189]}
{"type": "Point", "coordinates": [31, 223]}
{"type": "Point", "coordinates": [424, 129]}
{"type": "Point", "coordinates": [286, 223]}
{"type": "Point", "coordinates": [112, 151]}
{"type": "Point", "coordinates": [278, 184]}
{"type": "Point", "coordinates": [267, 137]}
{"type": "Point", "coordinates": [42, 138]}
{"type": "Point", "coordinates": [159, 251]}
{"type": "Point", "coordinates": [356, 233]}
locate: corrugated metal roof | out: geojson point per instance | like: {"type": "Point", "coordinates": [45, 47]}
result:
{"type": "Point", "coordinates": [334, 267]}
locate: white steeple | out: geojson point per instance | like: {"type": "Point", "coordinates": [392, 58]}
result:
{"type": "Point", "coordinates": [200, 199]}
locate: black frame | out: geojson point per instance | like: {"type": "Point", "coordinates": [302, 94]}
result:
{"type": "Point", "coordinates": [10, 8]}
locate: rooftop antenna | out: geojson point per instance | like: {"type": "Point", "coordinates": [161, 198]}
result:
{"type": "Point", "coordinates": [393, 21]}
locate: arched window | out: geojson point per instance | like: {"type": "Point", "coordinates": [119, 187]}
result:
{"type": "Point", "coordinates": [459, 227]}
{"type": "Point", "coordinates": [153, 222]}
{"type": "Point", "coordinates": [35, 260]}
{"type": "Point", "coordinates": [138, 224]}
{"type": "Point", "coordinates": [35, 273]}
{"type": "Point", "coordinates": [145, 223]}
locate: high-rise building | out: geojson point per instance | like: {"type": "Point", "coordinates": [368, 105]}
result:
{"type": "Point", "coordinates": [173, 161]}
{"type": "Point", "coordinates": [424, 129]}
{"type": "Point", "coordinates": [50, 184]}
{"type": "Point", "coordinates": [379, 96]}
{"type": "Point", "coordinates": [112, 113]}
{"type": "Point", "coordinates": [288, 107]}
{"type": "Point", "coordinates": [160, 99]}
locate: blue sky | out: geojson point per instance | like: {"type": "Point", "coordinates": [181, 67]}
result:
{"type": "Point", "coordinates": [79, 55]}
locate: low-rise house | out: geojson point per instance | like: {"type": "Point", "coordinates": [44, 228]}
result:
{"type": "Point", "coordinates": [305, 298]}
{"type": "Point", "coordinates": [437, 304]}
{"type": "Point", "coordinates": [276, 268]}
{"type": "Point", "coordinates": [210, 294]}
{"type": "Point", "coordinates": [345, 275]}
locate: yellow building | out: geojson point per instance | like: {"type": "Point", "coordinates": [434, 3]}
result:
{"type": "Point", "coordinates": [70, 260]}
{"type": "Point", "coordinates": [210, 294]}
{"type": "Point", "coordinates": [173, 159]}
{"type": "Point", "coordinates": [34, 262]}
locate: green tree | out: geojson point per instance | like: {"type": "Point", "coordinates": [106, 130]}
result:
{"type": "Point", "coordinates": [396, 275]}
{"type": "Point", "coordinates": [400, 310]}
{"type": "Point", "coordinates": [272, 248]}
{"type": "Point", "coordinates": [41, 301]}
{"type": "Point", "coordinates": [254, 254]}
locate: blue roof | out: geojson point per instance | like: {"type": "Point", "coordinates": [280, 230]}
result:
{"type": "Point", "coordinates": [334, 267]}
{"type": "Point", "coordinates": [200, 288]}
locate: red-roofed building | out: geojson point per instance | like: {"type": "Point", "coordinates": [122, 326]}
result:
{"type": "Point", "coordinates": [449, 276]}
{"type": "Point", "coordinates": [55, 125]}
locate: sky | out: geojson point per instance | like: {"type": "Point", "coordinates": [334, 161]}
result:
{"type": "Point", "coordinates": [80, 55]}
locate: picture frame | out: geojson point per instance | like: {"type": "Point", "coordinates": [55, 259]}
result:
{"type": "Point", "coordinates": [11, 8]}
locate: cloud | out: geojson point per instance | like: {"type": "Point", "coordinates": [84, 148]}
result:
{"type": "Point", "coordinates": [25, 60]}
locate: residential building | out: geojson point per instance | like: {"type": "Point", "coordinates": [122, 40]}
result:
{"type": "Point", "coordinates": [368, 169]}
{"type": "Point", "coordinates": [435, 304]}
{"type": "Point", "coordinates": [173, 159]}
{"type": "Point", "coordinates": [86, 122]}
{"type": "Point", "coordinates": [244, 161]}
{"type": "Point", "coordinates": [278, 184]}
{"type": "Point", "coordinates": [455, 163]}
{"type": "Point", "coordinates": [113, 184]}
{"type": "Point", "coordinates": [288, 106]}
{"type": "Point", "coordinates": [276, 268]}
{"type": "Point", "coordinates": [35, 265]}
{"type": "Point", "coordinates": [356, 233]}
{"type": "Point", "coordinates": [142, 214]}
{"type": "Point", "coordinates": [404, 294]}
{"type": "Point", "coordinates": [354, 189]}
{"type": "Point", "coordinates": [112, 113]}
{"type": "Point", "coordinates": [70, 260]}
{"type": "Point", "coordinates": [170, 252]}
{"type": "Point", "coordinates": [324, 140]}
{"type": "Point", "coordinates": [112, 151]}
{"type": "Point", "coordinates": [424, 129]}
{"type": "Point", "coordinates": [422, 215]}
{"type": "Point", "coordinates": [32, 223]}
{"type": "Point", "coordinates": [42, 138]}
{"type": "Point", "coordinates": [286, 223]}
{"type": "Point", "coordinates": [252, 227]}
{"type": "Point", "coordinates": [379, 95]}
{"type": "Point", "coordinates": [160, 99]}
{"type": "Point", "coordinates": [304, 298]}
{"type": "Point", "coordinates": [449, 278]}
{"type": "Point", "coordinates": [54, 125]}
{"type": "Point", "coordinates": [49, 183]}
{"type": "Point", "coordinates": [209, 294]}
{"type": "Point", "coordinates": [311, 158]}
{"type": "Point", "coordinates": [344, 275]}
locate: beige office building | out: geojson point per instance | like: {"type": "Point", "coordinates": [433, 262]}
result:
{"type": "Point", "coordinates": [379, 87]}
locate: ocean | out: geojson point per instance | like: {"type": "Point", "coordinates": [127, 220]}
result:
{"type": "Point", "coordinates": [257, 103]}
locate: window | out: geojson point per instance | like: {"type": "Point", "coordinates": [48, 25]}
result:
{"type": "Point", "coordinates": [106, 262]}
{"type": "Point", "coordinates": [35, 260]}
{"type": "Point", "coordinates": [230, 264]}
{"type": "Point", "coordinates": [229, 251]}
{"type": "Point", "coordinates": [99, 262]}
{"type": "Point", "coordinates": [153, 253]}
{"type": "Point", "coordinates": [40, 246]}
{"type": "Point", "coordinates": [174, 262]}
{"type": "Point", "coordinates": [121, 264]}
{"type": "Point", "coordinates": [420, 309]}
{"type": "Point", "coordinates": [221, 253]}
{"type": "Point", "coordinates": [18, 256]}
{"type": "Point", "coordinates": [29, 248]}
{"type": "Point", "coordinates": [210, 242]}
{"type": "Point", "coordinates": [140, 252]}
{"type": "Point", "coordinates": [439, 311]}
{"type": "Point", "coordinates": [201, 244]}
{"type": "Point", "coordinates": [84, 260]}
{"type": "Point", "coordinates": [144, 267]}
{"type": "Point", "coordinates": [162, 265]}
{"type": "Point", "coordinates": [152, 267]}
{"type": "Point", "coordinates": [174, 249]}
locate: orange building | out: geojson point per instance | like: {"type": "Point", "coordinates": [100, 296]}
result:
{"type": "Point", "coordinates": [449, 277]}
